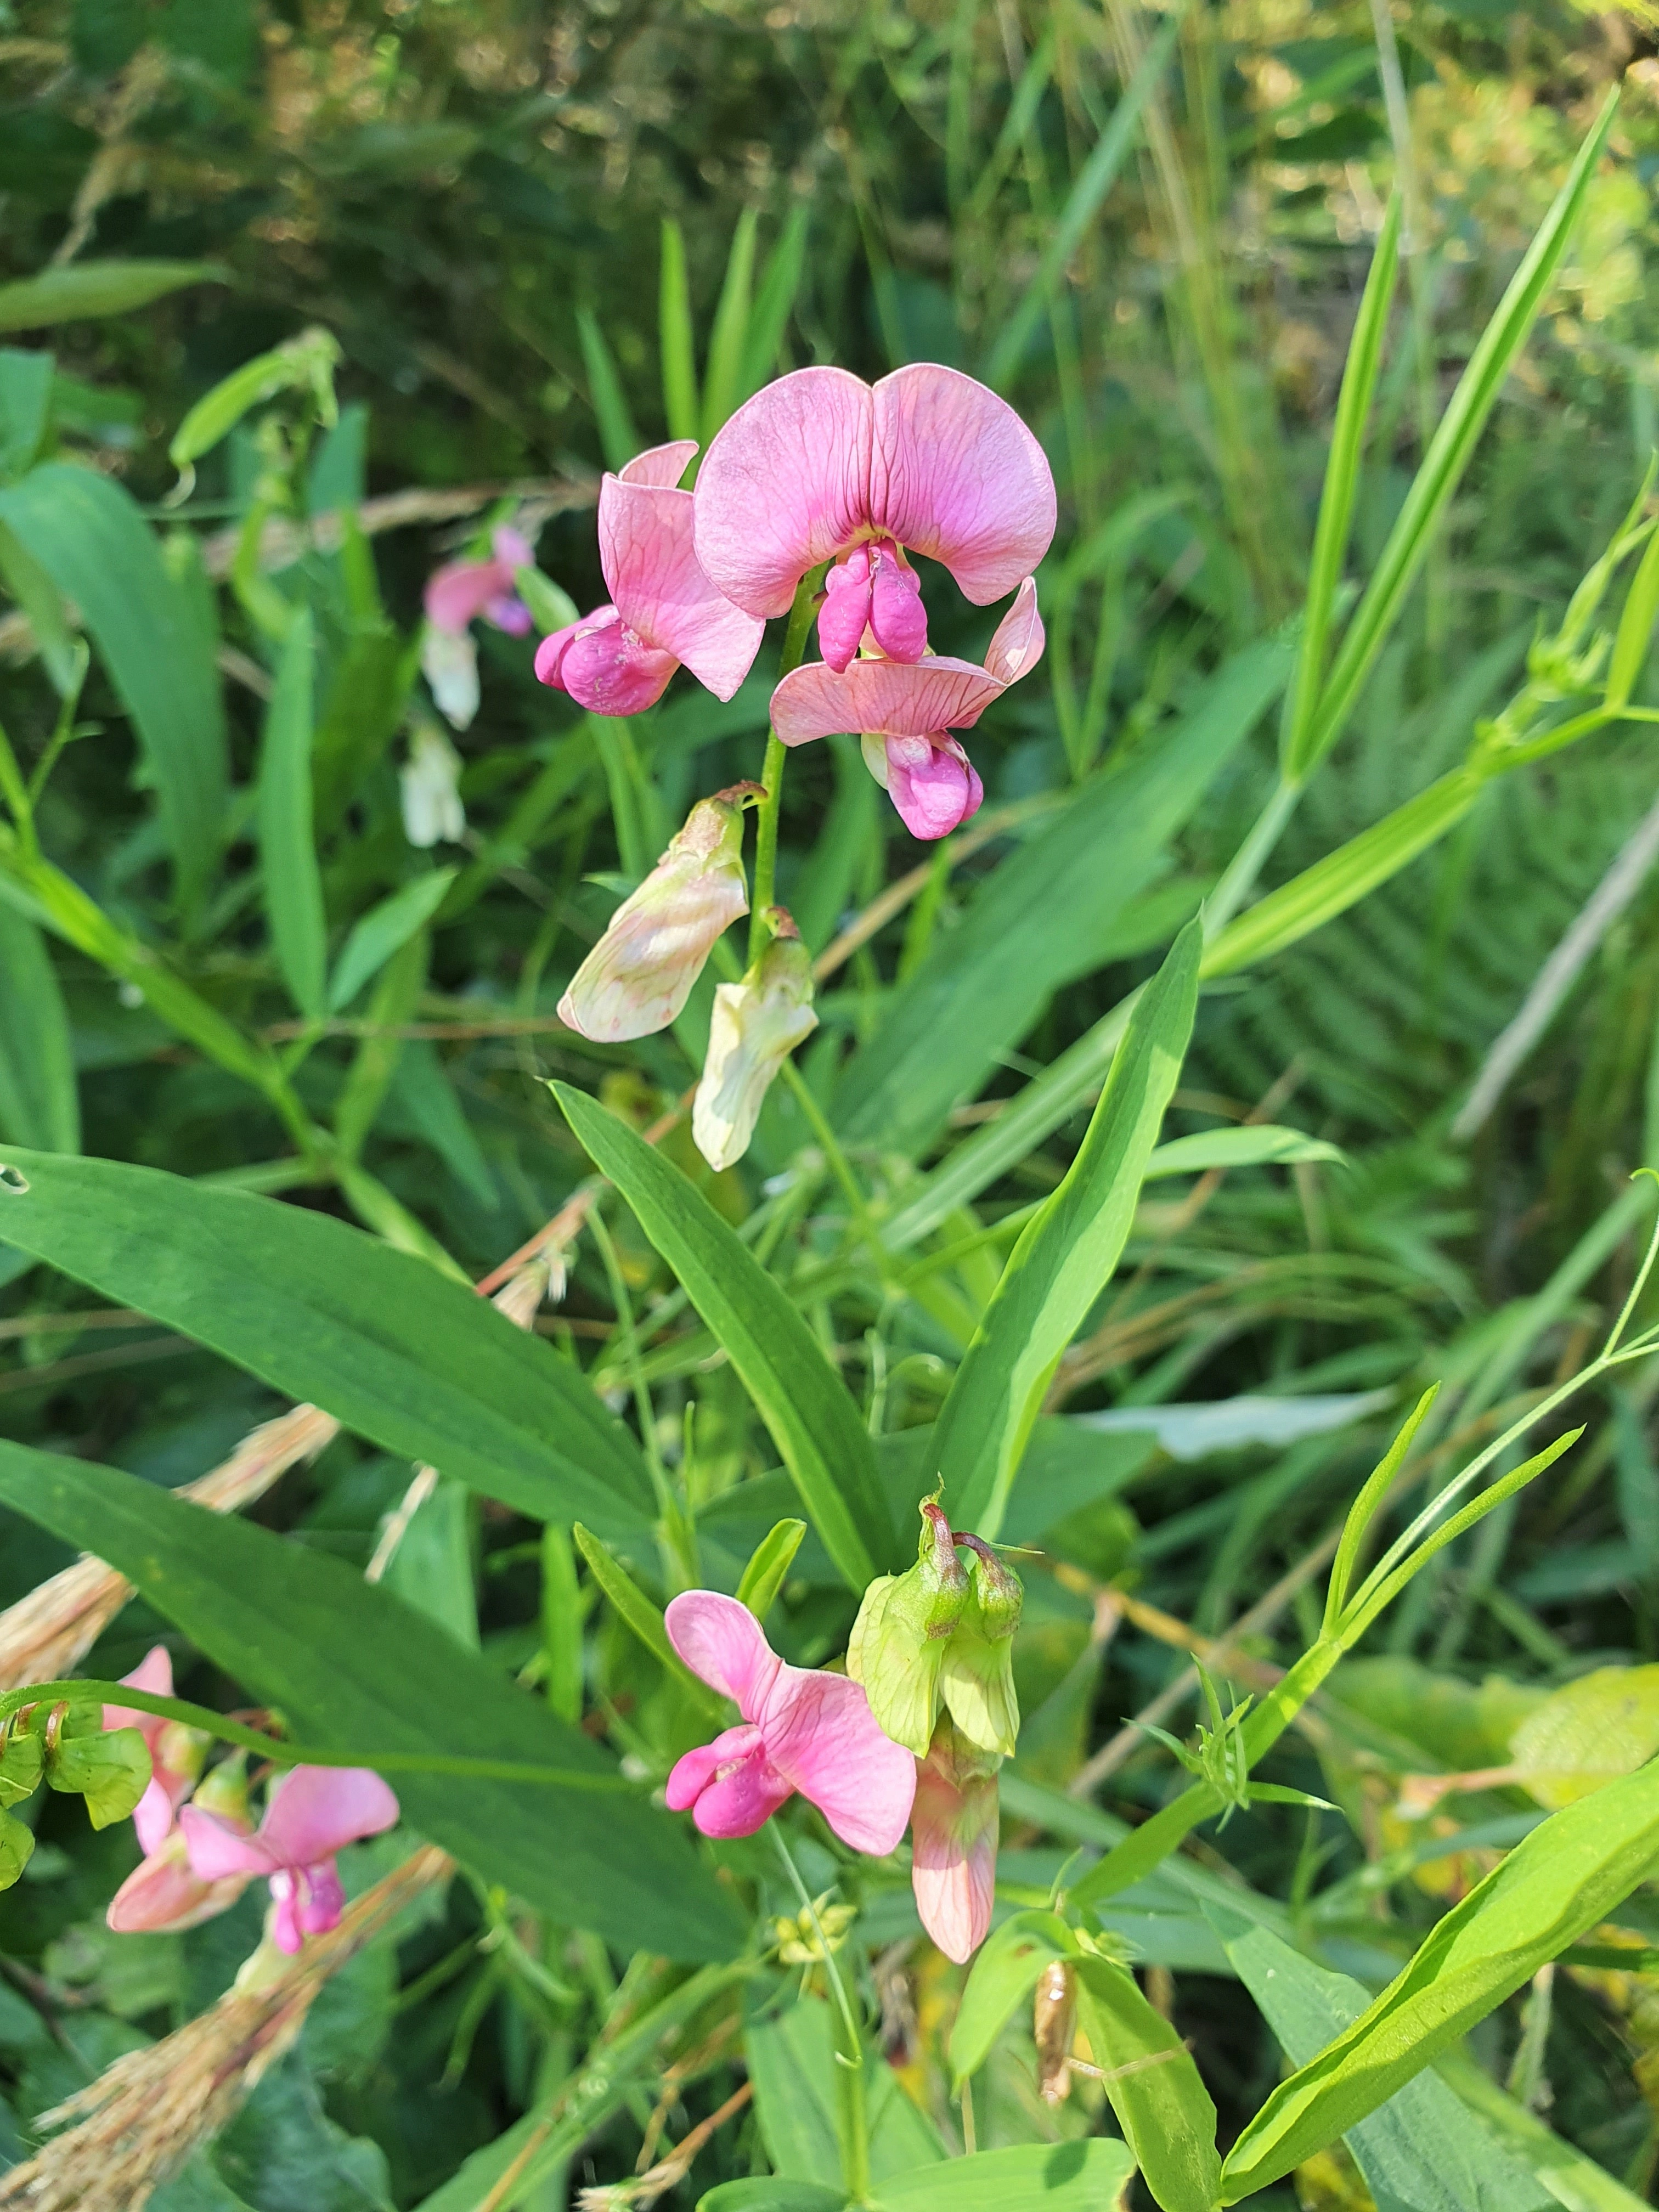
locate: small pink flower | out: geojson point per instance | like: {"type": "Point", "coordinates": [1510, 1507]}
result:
{"type": "Point", "coordinates": [462, 591]}
{"type": "Point", "coordinates": [164, 1893]}
{"type": "Point", "coordinates": [802, 1730]}
{"type": "Point", "coordinates": [176, 1753]}
{"type": "Point", "coordinates": [310, 1813]}
{"type": "Point", "coordinates": [822, 466]}
{"type": "Point", "coordinates": [953, 1835]}
{"type": "Point", "coordinates": [906, 711]}
{"type": "Point", "coordinates": [664, 611]}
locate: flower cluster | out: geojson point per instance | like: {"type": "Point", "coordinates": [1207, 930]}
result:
{"type": "Point", "coordinates": [819, 475]}
{"type": "Point", "coordinates": [912, 1735]}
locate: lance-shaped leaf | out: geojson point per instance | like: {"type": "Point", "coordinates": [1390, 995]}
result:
{"type": "Point", "coordinates": [1164, 2110]}
{"type": "Point", "coordinates": [802, 1402]}
{"type": "Point", "coordinates": [322, 1312]}
{"type": "Point", "coordinates": [353, 1669]}
{"type": "Point", "coordinates": [1064, 1256]}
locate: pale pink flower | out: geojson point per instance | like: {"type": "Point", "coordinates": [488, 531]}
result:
{"type": "Point", "coordinates": [462, 591]}
{"type": "Point", "coordinates": [664, 611]}
{"type": "Point", "coordinates": [176, 1753]}
{"type": "Point", "coordinates": [953, 1836]}
{"type": "Point", "coordinates": [638, 977]}
{"type": "Point", "coordinates": [905, 713]}
{"type": "Point", "coordinates": [311, 1813]}
{"type": "Point", "coordinates": [822, 466]}
{"type": "Point", "coordinates": [164, 1893]}
{"type": "Point", "coordinates": [802, 1730]}
{"type": "Point", "coordinates": [753, 1028]}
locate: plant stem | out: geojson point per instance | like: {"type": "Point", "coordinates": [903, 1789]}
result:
{"type": "Point", "coordinates": [851, 2124]}
{"type": "Point", "coordinates": [766, 818]}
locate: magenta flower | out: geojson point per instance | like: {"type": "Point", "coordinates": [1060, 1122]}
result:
{"type": "Point", "coordinates": [176, 1753]}
{"type": "Point", "coordinates": [664, 611]}
{"type": "Point", "coordinates": [802, 1730]}
{"type": "Point", "coordinates": [310, 1813]}
{"type": "Point", "coordinates": [906, 711]}
{"type": "Point", "coordinates": [953, 1836]}
{"type": "Point", "coordinates": [822, 466]}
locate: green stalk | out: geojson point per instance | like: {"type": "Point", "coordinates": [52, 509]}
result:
{"type": "Point", "coordinates": [852, 2123]}
{"type": "Point", "coordinates": [766, 815]}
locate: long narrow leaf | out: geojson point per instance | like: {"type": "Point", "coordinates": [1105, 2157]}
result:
{"type": "Point", "coordinates": [39, 1102]}
{"type": "Point", "coordinates": [617, 435]}
{"type": "Point", "coordinates": [801, 1399]}
{"type": "Point", "coordinates": [720, 391]}
{"type": "Point", "coordinates": [288, 849]}
{"type": "Point", "coordinates": [675, 337]}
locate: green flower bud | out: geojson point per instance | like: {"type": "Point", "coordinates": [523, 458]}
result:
{"type": "Point", "coordinates": [902, 1634]}
{"type": "Point", "coordinates": [977, 1682]}
{"type": "Point", "coordinates": [17, 1848]}
{"type": "Point", "coordinates": [21, 1762]}
{"type": "Point", "coordinates": [111, 1768]}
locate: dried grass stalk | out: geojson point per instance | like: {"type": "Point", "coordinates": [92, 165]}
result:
{"type": "Point", "coordinates": [148, 2115]}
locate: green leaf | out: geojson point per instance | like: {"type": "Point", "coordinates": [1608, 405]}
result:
{"type": "Point", "coordinates": [1090, 2176]}
{"type": "Point", "coordinates": [767, 2193]}
{"type": "Point", "coordinates": [1043, 917]}
{"type": "Point", "coordinates": [768, 1565]}
{"type": "Point", "coordinates": [25, 378]}
{"type": "Point", "coordinates": [1635, 632]}
{"type": "Point", "coordinates": [1330, 547]}
{"type": "Point", "coordinates": [89, 536]}
{"type": "Point", "coordinates": [384, 930]}
{"type": "Point", "coordinates": [631, 1604]}
{"type": "Point", "coordinates": [1162, 2105]}
{"type": "Point", "coordinates": [1558, 1881]}
{"type": "Point", "coordinates": [617, 435]}
{"type": "Point", "coordinates": [350, 1667]}
{"type": "Point", "coordinates": [96, 287]}
{"type": "Point", "coordinates": [1418, 2149]}
{"type": "Point", "coordinates": [1254, 1146]}
{"type": "Point", "coordinates": [1569, 2176]}
{"type": "Point", "coordinates": [323, 1313]}
{"type": "Point", "coordinates": [774, 302]}
{"type": "Point", "coordinates": [676, 337]}
{"type": "Point", "coordinates": [432, 1567]}
{"type": "Point", "coordinates": [1452, 446]}
{"type": "Point", "coordinates": [1064, 1256]}
{"type": "Point", "coordinates": [802, 1402]}
{"type": "Point", "coordinates": [721, 392]}
{"type": "Point", "coordinates": [39, 1102]}
{"type": "Point", "coordinates": [1006, 1969]}
{"type": "Point", "coordinates": [792, 2061]}
{"type": "Point", "coordinates": [288, 849]}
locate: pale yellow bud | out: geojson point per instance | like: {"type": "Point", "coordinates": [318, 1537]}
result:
{"type": "Point", "coordinates": [755, 1026]}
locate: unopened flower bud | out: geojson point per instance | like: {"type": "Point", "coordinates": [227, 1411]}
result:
{"type": "Point", "coordinates": [953, 1834]}
{"type": "Point", "coordinates": [755, 1026]}
{"type": "Point", "coordinates": [977, 1679]}
{"type": "Point", "coordinates": [430, 785]}
{"type": "Point", "coordinates": [1053, 2023]}
{"type": "Point", "coordinates": [904, 1628]}
{"type": "Point", "coordinates": [639, 975]}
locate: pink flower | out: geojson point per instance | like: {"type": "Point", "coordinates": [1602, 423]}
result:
{"type": "Point", "coordinates": [664, 611]}
{"type": "Point", "coordinates": [801, 1730]}
{"type": "Point", "coordinates": [163, 1893]}
{"type": "Point", "coordinates": [905, 713]}
{"type": "Point", "coordinates": [953, 1835]}
{"type": "Point", "coordinates": [176, 1753]}
{"type": "Point", "coordinates": [462, 591]}
{"type": "Point", "coordinates": [822, 466]}
{"type": "Point", "coordinates": [310, 1813]}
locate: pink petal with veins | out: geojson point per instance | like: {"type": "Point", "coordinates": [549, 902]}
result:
{"type": "Point", "coordinates": [785, 486]}
{"type": "Point", "coordinates": [218, 1850]}
{"type": "Point", "coordinates": [660, 465]}
{"type": "Point", "coordinates": [724, 1645]}
{"type": "Point", "coordinates": [315, 1810]}
{"type": "Point", "coordinates": [954, 1858]}
{"type": "Point", "coordinates": [933, 783]}
{"type": "Point", "coordinates": [823, 1738]}
{"type": "Point", "coordinates": [899, 698]}
{"type": "Point", "coordinates": [1017, 642]}
{"type": "Point", "coordinates": [609, 668]}
{"type": "Point", "coordinates": [166, 1893]}
{"type": "Point", "coordinates": [955, 475]}
{"type": "Point", "coordinates": [550, 653]}
{"type": "Point", "coordinates": [650, 558]}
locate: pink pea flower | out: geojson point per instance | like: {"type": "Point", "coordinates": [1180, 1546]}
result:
{"type": "Point", "coordinates": [176, 1753]}
{"type": "Point", "coordinates": [905, 713]}
{"type": "Point", "coordinates": [310, 1813]}
{"type": "Point", "coordinates": [802, 1730]}
{"type": "Point", "coordinates": [822, 466]}
{"type": "Point", "coordinates": [953, 1836]}
{"type": "Point", "coordinates": [164, 1893]}
{"type": "Point", "coordinates": [664, 611]}
{"type": "Point", "coordinates": [457, 595]}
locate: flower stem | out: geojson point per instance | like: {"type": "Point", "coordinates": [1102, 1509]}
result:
{"type": "Point", "coordinates": [851, 2125]}
{"type": "Point", "coordinates": [766, 820]}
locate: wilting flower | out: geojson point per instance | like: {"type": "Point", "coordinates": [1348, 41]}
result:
{"type": "Point", "coordinates": [802, 1730]}
{"type": "Point", "coordinates": [164, 1893]}
{"type": "Point", "coordinates": [311, 1813]}
{"type": "Point", "coordinates": [457, 595]}
{"type": "Point", "coordinates": [904, 1630]}
{"type": "Point", "coordinates": [905, 713]}
{"type": "Point", "coordinates": [639, 975]}
{"type": "Point", "coordinates": [664, 611]}
{"type": "Point", "coordinates": [755, 1026]}
{"type": "Point", "coordinates": [821, 466]}
{"type": "Point", "coordinates": [953, 1836]}
{"type": "Point", "coordinates": [430, 785]}
{"type": "Point", "coordinates": [176, 1753]}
